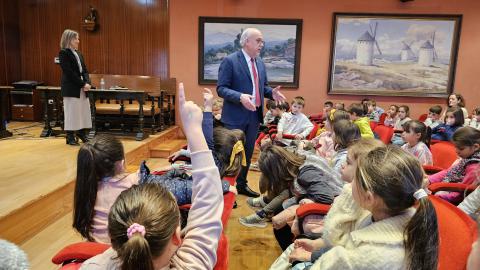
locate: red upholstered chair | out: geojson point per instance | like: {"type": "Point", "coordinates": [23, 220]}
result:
{"type": "Point", "coordinates": [443, 154]}
{"type": "Point", "coordinates": [72, 256]}
{"type": "Point", "coordinates": [457, 231]}
{"type": "Point", "coordinates": [463, 189]}
{"type": "Point", "coordinates": [381, 120]}
{"type": "Point", "coordinates": [316, 118]}
{"type": "Point", "coordinates": [373, 125]}
{"type": "Point", "coordinates": [384, 133]}
{"type": "Point", "coordinates": [423, 117]}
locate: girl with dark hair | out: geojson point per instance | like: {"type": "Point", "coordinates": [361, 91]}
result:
{"type": "Point", "coordinates": [417, 138]}
{"type": "Point", "coordinates": [456, 101]}
{"type": "Point", "coordinates": [394, 224]}
{"type": "Point", "coordinates": [305, 177]}
{"type": "Point", "coordinates": [346, 134]}
{"type": "Point", "coordinates": [358, 114]}
{"type": "Point", "coordinates": [465, 169]}
{"type": "Point", "coordinates": [144, 221]}
{"type": "Point", "coordinates": [453, 121]}
{"type": "Point", "coordinates": [402, 117]}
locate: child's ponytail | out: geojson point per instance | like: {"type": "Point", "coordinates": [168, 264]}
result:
{"type": "Point", "coordinates": [421, 237]}
{"type": "Point", "coordinates": [135, 253]}
{"type": "Point", "coordinates": [85, 192]}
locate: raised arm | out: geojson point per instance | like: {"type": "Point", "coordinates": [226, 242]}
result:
{"type": "Point", "coordinates": [204, 226]}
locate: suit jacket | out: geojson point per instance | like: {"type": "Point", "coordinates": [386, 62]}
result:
{"type": "Point", "coordinates": [72, 80]}
{"type": "Point", "coordinates": [233, 80]}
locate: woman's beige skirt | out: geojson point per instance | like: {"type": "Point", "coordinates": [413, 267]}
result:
{"type": "Point", "coordinates": [77, 112]}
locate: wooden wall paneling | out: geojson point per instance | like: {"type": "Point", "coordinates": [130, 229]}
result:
{"type": "Point", "coordinates": [9, 42]}
{"type": "Point", "coordinates": [115, 39]}
{"type": "Point", "coordinates": [136, 41]}
{"type": "Point", "coordinates": [159, 15]}
{"type": "Point", "coordinates": [95, 46]}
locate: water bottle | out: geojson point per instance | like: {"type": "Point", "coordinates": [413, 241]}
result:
{"type": "Point", "coordinates": [102, 84]}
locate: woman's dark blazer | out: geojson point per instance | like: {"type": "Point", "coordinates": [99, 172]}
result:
{"type": "Point", "coordinates": [71, 77]}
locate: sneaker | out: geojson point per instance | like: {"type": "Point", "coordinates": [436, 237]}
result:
{"type": "Point", "coordinates": [256, 203]}
{"type": "Point", "coordinates": [253, 221]}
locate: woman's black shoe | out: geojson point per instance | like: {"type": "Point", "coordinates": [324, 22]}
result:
{"type": "Point", "coordinates": [81, 135]}
{"type": "Point", "coordinates": [71, 140]}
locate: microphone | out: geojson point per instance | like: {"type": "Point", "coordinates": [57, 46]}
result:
{"type": "Point", "coordinates": [12, 257]}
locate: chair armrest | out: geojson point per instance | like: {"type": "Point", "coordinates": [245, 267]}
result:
{"type": "Point", "coordinates": [179, 158]}
{"type": "Point", "coordinates": [79, 251]}
{"type": "Point", "coordinates": [312, 208]}
{"type": "Point", "coordinates": [431, 169]}
{"type": "Point", "coordinates": [458, 187]}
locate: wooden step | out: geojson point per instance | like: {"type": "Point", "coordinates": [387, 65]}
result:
{"type": "Point", "coordinates": [167, 148]}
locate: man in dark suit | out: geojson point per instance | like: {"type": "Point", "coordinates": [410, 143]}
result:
{"type": "Point", "coordinates": [242, 83]}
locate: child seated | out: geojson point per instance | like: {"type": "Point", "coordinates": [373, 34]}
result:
{"type": "Point", "coordinates": [327, 108]}
{"type": "Point", "coordinates": [340, 106]}
{"type": "Point", "coordinates": [385, 211]}
{"type": "Point", "coordinates": [453, 121]}
{"type": "Point", "coordinates": [284, 175]}
{"type": "Point", "coordinates": [433, 119]}
{"type": "Point", "coordinates": [475, 122]}
{"type": "Point", "coordinates": [374, 112]}
{"type": "Point", "coordinates": [391, 117]}
{"type": "Point", "coordinates": [416, 136]}
{"type": "Point", "coordinates": [144, 221]}
{"type": "Point", "coordinates": [402, 118]}
{"type": "Point", "coordinates": [324, 143]}
{"type": "Point", "coordinates": [357, 115]}
{"type": "Point", "coordinates": [465, 169]}
{"type": "Point", "coordinates": [269, 115]}
{"type": "Point", "coordinates": [217, 108]}
{"type": "Point", "coordinates": [294, 122]}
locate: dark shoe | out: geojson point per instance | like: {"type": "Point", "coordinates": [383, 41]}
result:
{"type": "Point", "coordinates": [71, 138]}
{"type": "Point", "coordinates": [81, 134]}
{"type": "Point", "coordinates": [245, 190]}
{"type": "Point", "coordinates": [235, 205]}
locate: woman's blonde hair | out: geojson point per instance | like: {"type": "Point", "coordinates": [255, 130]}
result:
{"type": "Point", "coordinates": [67, 37]}
{"type": "Point", "coordinates": [363, 146]}
{"type": "Point", "coordinates": [155, 208]}
{"type": "Point", "coordinates": [394, 175]}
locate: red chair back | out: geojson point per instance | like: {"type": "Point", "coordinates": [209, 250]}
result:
{"type": "Point", "coordinates": [316, 118]}
{"type": "Point", "coordinates": [381, 120]}
{"type": "Point", "coordinates": [384, 133]}
{"type": "Point", "coordinates": [423, 117]}
{"type": "Point", "coordinates": [457, 233]}
{"type": "Point", "coordinates": [313, 132]}
{"type": "Point", "coordinates": [444, 154]}
{"type": "Point", "coordinates": [373, 125]}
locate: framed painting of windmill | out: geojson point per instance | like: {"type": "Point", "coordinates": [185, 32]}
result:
{"type": "Point", "coordinates": [393, 54]}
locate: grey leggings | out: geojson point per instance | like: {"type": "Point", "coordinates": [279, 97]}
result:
{"type": "Point", "coordinates": [274, 205]}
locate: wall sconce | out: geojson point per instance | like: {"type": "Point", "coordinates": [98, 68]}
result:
{"type": "Point", "coordinates": [89, 23]}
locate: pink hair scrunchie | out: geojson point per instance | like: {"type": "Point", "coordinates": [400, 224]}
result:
{"type": "Point", "coordinates": [134, 228]}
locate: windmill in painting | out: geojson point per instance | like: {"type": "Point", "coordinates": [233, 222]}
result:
{"type": "Point", "coordinates": [365, 47]}
{"type": "Point", "coordinates": [406, 54]}
{"type": "Point", "coordinates": [427, 54]}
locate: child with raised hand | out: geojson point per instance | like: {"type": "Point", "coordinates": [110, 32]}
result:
{"type": "Point", "coordinates": [358, 116]}
{"type": "Point", "coordinates": [144, 222]}
{"type": "Point", "coordinates": [453, 120]}
{"type": "Point", "coordinates": [433, 118]}
{"type": "Point", "coordinates": [402, 118]}
{"type": "Point", "coordinates": [393, 217]}
{"type": "Point", "coordinates": [228, 153]}
{"type": "Point", "coordinates": [391, 117]}
{"type": "Point", "coordinates": [416, 136]}
{"type": "Point", "coordinates": [464, 170]}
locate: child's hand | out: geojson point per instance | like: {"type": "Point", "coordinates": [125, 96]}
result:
{"type": "Point", "coordinates": [298, 137]}
{"type": "Point", "coordinates": [308, 244]}
{"type": "Point", "coordinates": [233, 189]}
{"type": "Point", "coordinates": [190, 114]}
{"type": "Point", "coordinates": [305, 201]}
{"type": "Point", "coordinates": [207, 99]}
{"type": "Point", "coordinates": [174, 155]}
{"type": "Point", "coordinates": [300, 254]}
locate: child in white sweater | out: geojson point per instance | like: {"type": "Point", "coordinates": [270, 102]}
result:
{"type": "Point", "coordinates": [294, 122]}
{"type": "Point", "coordinates": [386, 231]}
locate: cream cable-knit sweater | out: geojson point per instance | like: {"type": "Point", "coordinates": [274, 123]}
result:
{"type": "Point", "coordinates": [357, 242]}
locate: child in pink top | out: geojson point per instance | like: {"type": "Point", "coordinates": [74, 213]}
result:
{"type": "Point", "coordinates": [144, 222]}
{"type": "Point", "coordinates": [465, 169]}
{"type": "Point", "coordinates": [416, 137]}
{"type": "Point", "coordinates": [391, 118]}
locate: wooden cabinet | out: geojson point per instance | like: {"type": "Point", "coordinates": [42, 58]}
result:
{"type": "Point", "coordinates": [25, 102]}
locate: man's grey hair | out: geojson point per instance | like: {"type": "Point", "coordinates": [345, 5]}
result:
{"type": "Point", "coordinates": [246, 34]}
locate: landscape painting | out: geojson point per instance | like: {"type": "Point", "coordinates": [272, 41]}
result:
{"type": "Point", "coordinates": [220, 36]}
{"type": "Point", "coordinates": [394, 55]}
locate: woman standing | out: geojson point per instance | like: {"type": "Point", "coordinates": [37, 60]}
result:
{"type": "Point", "coordinates": [75, 82]}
